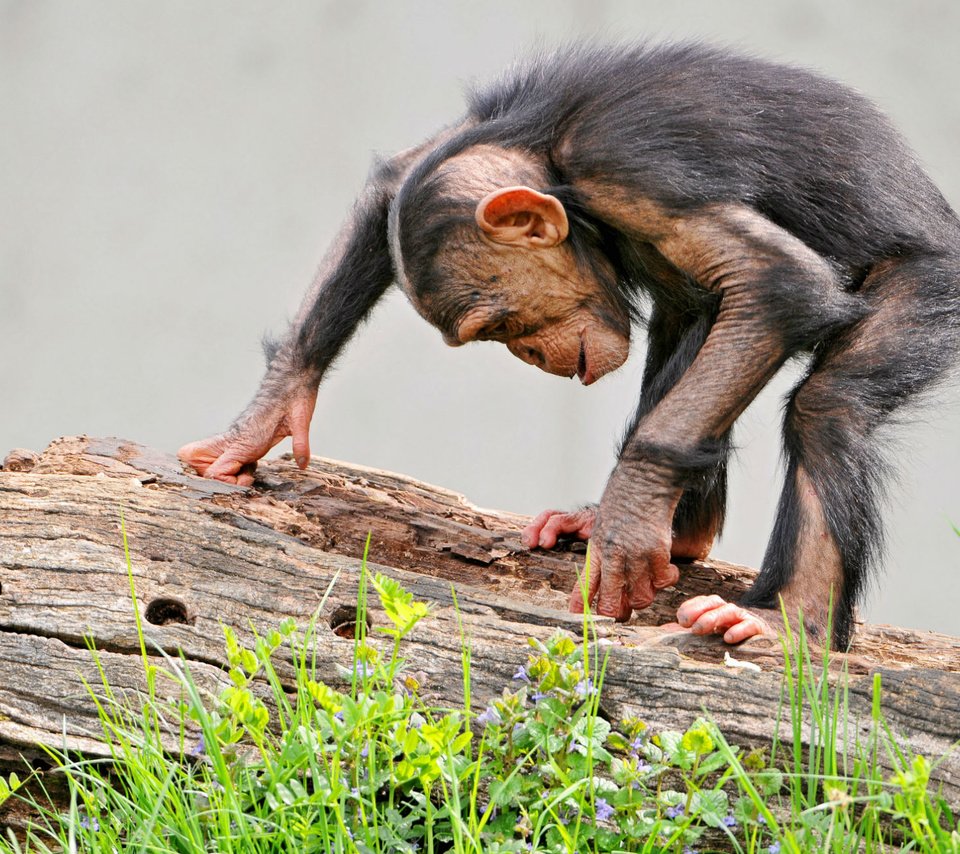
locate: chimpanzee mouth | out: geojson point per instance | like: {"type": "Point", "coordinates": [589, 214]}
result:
{"type": "Point", "coordinates": [582, 363]}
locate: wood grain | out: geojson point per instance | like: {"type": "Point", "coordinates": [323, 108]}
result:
{"type": "Point", "coordinates": [206, 554]}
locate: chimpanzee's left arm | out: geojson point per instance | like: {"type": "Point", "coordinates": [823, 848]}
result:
{"type": "Point", "coordinates": [763, 276]}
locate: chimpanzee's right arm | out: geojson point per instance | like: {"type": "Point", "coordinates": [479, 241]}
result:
{"type": "Point", "coordinates": [355, 273]}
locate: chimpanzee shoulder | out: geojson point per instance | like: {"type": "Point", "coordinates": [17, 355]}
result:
{"type": "Point", "coordinates": [691, 124]}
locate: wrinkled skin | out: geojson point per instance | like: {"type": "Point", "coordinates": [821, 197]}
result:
{"type": "Point", "coordinates": [701, 615]}
{"type": "Point", "coordinates": [232, 456]}
{"type": "Point", "coordinates": [473, 226]}
{"type": "Point", "coordinates": [536, 300]}
{"type": "Point", "coordinates": [713, 615]}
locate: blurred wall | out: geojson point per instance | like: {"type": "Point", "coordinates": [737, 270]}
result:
{"type": "Point", "coordinates": [171, 172]}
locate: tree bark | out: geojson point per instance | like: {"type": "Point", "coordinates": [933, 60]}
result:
{"type": "Point", "coordinates": [206, 554]}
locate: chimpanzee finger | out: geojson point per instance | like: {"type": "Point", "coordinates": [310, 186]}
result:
{"type": "Point", "coordinates": [227, 467]}
{"type": "Point", "coordinates": [726, 618]}
{"type": "Point", "coordinates": [689, 612]}
{"type": "Point", "coordinates": [530, 536]}
{"type": "Point", "coordinates": [640, 590]}
{"type": "Point", "coordinates": [612, 597]}
{"type": "Point", "coordinates": [300, 430]}
{"type": "Point", "coordinates": [201, 455]}
{"type": "Point", "coordinates": [301, 449]}
{"type": "Point", "coordinates": [665, 574]}
{"type": "Point", "coordinates": [746, 628]}
{"type": "Point", "coordinates": [580, 523]}
{"type": "Point", "coordinates": [300, 414]}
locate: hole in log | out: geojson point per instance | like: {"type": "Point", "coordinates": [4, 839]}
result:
{"type": "Point", "coordinates": [343, 621]}
{"type": "Point", "coordinates": [162, 612]}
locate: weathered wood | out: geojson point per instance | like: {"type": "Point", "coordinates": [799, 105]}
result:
{"type": "Point", "coordinates": [206, 554]}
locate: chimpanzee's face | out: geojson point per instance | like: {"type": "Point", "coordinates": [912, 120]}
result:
{"type": "Point", "coordinates": [537, 301]}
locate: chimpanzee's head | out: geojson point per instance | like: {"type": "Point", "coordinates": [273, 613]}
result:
{"type": "Point", "coordinates": [485, 257]}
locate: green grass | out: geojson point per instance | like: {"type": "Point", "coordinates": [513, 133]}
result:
{"type": "Point", "coordinates": [371, 767]}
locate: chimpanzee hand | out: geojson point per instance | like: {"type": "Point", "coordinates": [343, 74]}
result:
{"type": "Point", "coordinates": [232, 456]}
{"type": "Point", "coordinates": [629, 546]}
{"type": "Point", "coordinates": [628, 564]}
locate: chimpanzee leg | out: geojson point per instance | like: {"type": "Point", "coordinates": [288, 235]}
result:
{"type": "Point", "coordinates": [828, 532]}
{"type": "Point", "coordinates": [673, 344]}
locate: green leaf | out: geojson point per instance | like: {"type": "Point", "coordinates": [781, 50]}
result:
{"type": "Point", "coordinates": [503, 792]}
{"type": "Point", "coordinates": [461, 741]}
{"type": "Point", "coordinates": [248, 661]}
{"type": "Point", "coordinates": [410, 742]}
{"type": "Point", "coordinates": [769, 781]}
{"type": "Point", "coordinates": [712, 804]}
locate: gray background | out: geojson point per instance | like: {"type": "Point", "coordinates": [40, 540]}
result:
{"type": "Point", "coordinates": [170, 174]}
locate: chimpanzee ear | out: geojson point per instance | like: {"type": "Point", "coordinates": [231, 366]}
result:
{"type": "Point", "coordinates": [520, 216]}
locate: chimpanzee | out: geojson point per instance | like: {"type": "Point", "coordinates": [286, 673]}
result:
{"type": "Point", "coordinates": [746, 213]}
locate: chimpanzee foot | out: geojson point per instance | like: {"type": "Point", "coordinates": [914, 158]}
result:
{"type": "Point", "coordinates": [713, 615]}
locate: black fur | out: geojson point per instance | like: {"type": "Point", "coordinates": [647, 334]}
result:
{"type": "Point", "coordinates": [690, 127]}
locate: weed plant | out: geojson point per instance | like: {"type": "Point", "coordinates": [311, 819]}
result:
{"type": "Point", "coordinates": [366, 765]}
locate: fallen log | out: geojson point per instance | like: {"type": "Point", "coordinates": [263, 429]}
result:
{"type": "Point", "coordinates": [206, 554]}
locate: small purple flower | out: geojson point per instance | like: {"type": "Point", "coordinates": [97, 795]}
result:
{"type": "Point", "coordinates": [90, 823]}
{"type": "Point", "coordinates": [522, 674]}
{"type": "Point", "coordinates": [774, 848]}
{"type": "Point", "coordinates": [643, 766]}
{"type": "Point", "coordinates": [603, 810]}
{"type": "Point", "coordinates": [729, 821]}
{"type": "Point", "coordinates": [489, 716]}
{"type": "Point", "coordinates": [200, 748]}
{"type": "Point", "coordinates": [537, 696]}
{"type": "Point", "coordinates": [761, 819]}
{"type": "Point", "coordinates": [584, 688]}
{"type": "Point", "coordinates": [339, 716]}
{"type": "Point", "coordinates": [517, 729]}
{"type": "Point", "coordinates": [689, 850]}
{"type": "Point", "coordinates": [637, 743]}
{"type": "Point", "coordinates": [674, 812]}
{"type": "Point", "coordinates": [365, 751]}
{"type": "Point", "coordinates": [355, 791]}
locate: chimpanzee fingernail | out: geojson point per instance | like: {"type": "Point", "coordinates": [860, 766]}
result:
{"type": "Point", "coordinates": [302, 462]}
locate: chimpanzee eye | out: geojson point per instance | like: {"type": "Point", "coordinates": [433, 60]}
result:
{"type": "Point", "coordinates": [496, 330]}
